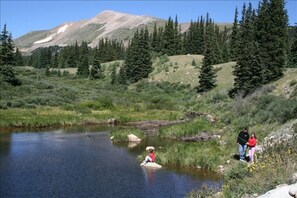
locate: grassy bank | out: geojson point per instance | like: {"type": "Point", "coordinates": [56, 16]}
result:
{"type": "Point", "coordinates": [56, 116]}
{"type": "Point", "coordinates": [205, 155]}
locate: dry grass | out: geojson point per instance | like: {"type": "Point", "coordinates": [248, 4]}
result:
{"type": "Point", "coordinates": [182, 71]}
{"type": "Point", "coordinates": [283, 84]}
{"type": "Point", "coordinates": [225, 78]}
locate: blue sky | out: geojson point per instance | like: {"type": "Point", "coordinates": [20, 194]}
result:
{"type": "Point", "coordinates": [24, 16]}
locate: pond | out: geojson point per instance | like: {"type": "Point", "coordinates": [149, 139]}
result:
{"type": "Point", "coordinates": [82, 162]}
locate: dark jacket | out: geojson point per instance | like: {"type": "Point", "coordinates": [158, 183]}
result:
{"type": "Point", "coordinates": [243, 137]}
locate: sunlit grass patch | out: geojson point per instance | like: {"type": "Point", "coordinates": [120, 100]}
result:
{"type": "Point", "coordinates": [195, 127]}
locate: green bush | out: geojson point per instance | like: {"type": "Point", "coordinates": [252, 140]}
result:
{"type": "Point", "coordinates": [162, 102]}
{"type": "Point", "coordinates": [295, 128]}
{"type": "Point", "coordinates": [163, 59]}
{"type": "Point", "coordinates": [293, 82]}
{"type": "Point", "coordinates": [100, 104]}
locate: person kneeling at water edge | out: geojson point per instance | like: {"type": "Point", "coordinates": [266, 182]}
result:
{"type": "Point", "coordinates": [150, 158]}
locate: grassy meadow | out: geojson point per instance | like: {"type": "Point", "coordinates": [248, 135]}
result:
{"type": "Point", "coordinates": [168, 93]}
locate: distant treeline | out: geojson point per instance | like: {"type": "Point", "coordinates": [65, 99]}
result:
{"type": "Point", "coordinates": [72, 55]}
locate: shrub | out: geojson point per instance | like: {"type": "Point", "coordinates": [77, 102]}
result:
{"type": "Point", "coordinates": [295, 128]}
{"type": "Point", "coordinates": [162, 102]}
{"type": "Point", "coordinates": [163, 59]}
{"type": "Point", "coordinates": [100, 104]}
{"type": "Point", "coordinates": [293, 82]}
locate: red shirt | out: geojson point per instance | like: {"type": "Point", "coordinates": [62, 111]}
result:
{"type": "Point", "coordinates": [152, 156]}
{"type": "Point", "coordinates": [252, 142]}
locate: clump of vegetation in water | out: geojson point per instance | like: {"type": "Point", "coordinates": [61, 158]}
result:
{"type": "Point", "coordinates": [121, 134]}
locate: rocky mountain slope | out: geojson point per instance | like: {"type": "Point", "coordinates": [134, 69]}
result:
{"type": "Point", "coordinates": [110, 24]}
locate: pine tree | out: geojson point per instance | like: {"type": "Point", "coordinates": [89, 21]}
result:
{"type": "Point", "coordinates": [207, 75]}
{"type": "Point", "coordinates": [248, 70]}
{"type": "Point", "coordinates": [47, 71]}
{"type": "Point", "coordinates": [83, 68]}
{"type": "Point", "coordinates": [169, 42]}
{"type": "Point", "coordinates": [218, 47]}
{"type": "Point", "coordinates": [113, 74]}
{"type": "Point", "coordinates": [293, 50]}
{"type": "Point", "coordinates": [201, 36]}
{"type": "Point", "coordinates": [194, 63]}
{"type": "Point", "coordinates": [55, 61]}
{"type": "Point", "coordinates": [272, 36]}
{"type": "Point", "coordinates": [42, 61]}
{"type": "Point", "coordinates": [177, 38]}
{"type": "Point", "coordinates": [234, 42]}
{"type": "Point", "coordinates": [154, 40]}
{"type": "Point", "coordinates": [18, 58]}
{"type": "Point", "coordinates": [225, 46]}
{"type": "Point", "coordinates": [279, 35]}
{"type": "Point", "coordinates": [7, 48]}
{"type": "Point", "coordinates": [95, 72]}
{"type": "Point", "coordinates": [138, 62]}
{"type": "Point", "coordinates": [122, 78]}
{"type": "Point", "coordinates": [7, 59]}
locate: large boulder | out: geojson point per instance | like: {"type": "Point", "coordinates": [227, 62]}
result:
{"type": "Point", "coordinates": [283, 191]}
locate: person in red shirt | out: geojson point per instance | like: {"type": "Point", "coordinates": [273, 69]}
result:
{"type": "Point", "coordinates": [150, 158]}
{"type": "Point", "coordinates": [252, 143]}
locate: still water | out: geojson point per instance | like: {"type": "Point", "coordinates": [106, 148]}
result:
{"type": "Point", "coordinates": [82, 163]}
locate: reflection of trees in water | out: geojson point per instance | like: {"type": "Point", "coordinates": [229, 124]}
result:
{"type": "Point", "coordinates": [5, 141]}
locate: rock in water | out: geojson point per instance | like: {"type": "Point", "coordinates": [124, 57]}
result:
{"type": "Point", "coordinates": [151, 165]}
{"type": "Point", "coordinates": [133, 138]}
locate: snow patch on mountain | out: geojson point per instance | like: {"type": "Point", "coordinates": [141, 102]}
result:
{"type": "Point", "coordinates": [62, 29]}
{"type": "Point", "coordinates": [47, 39]}
{"type": "Point", "coordinates": [54, 35]}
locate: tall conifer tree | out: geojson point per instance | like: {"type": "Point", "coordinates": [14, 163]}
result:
{"type": "Point", "coordinates": [234, 41]}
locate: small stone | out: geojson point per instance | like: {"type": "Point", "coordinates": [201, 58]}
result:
{"type": "Point", "coordinates": [293, 191]}
{"type": "Point", "coordinates": [293, 178]}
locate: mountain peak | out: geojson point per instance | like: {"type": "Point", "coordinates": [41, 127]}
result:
{"type": "Point", "coordinates": [108, 23]}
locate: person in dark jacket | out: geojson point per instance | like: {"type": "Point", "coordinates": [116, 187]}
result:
{"type": "Point", "coordinates": [242, 139]}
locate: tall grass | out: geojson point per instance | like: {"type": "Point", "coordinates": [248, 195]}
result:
{"type": "Point", "coordinates": [194, 127]}
{"type": "Point", "coordinates": [207, 155]}
{"type": "Point", "coordinates": [71, 115]}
